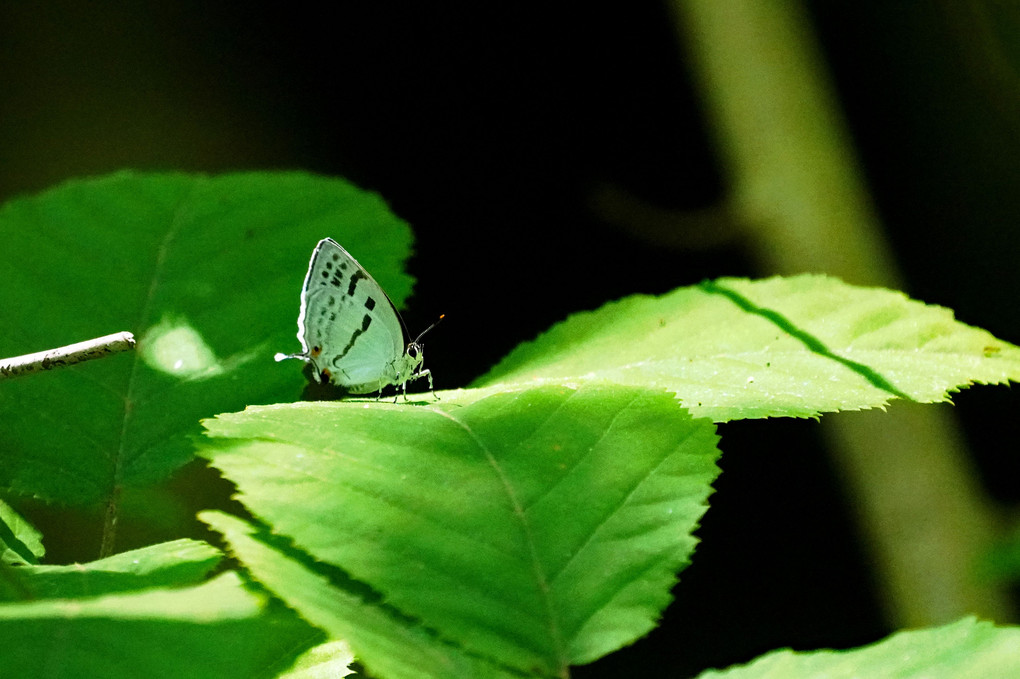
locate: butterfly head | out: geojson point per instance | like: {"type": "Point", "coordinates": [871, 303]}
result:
{"type": "Point", "coordinates": [414, 349]}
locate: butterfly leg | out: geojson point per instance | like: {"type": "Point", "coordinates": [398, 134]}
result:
{"type": "Point", "coordinates": [427, 373]}
{"type": "Point", "coordinates": [411, 379]}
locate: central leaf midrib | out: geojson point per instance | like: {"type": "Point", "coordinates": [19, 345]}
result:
{"type": "Point", "coordinates": [541, 582]}
{"type": "Point", "coordinates": [143, 320]}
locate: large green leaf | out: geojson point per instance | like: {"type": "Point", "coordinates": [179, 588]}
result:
{"type": "Point", "coordinates": [537, 528]}
{"type": "Point", "coordinates": [966, 649]}
{"type": "Point", "coordinates": [799, 346]}
{"type": "Point", "coordinates": [206, 271]}
{"type": "Point", "coordinates": [215, 630]}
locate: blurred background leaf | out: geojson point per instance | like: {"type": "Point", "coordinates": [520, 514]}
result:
{"type": "Point", "coordinates": [206, 271]}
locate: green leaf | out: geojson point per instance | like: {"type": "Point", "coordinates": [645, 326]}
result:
{"type": "Point", "coordinates": [210, 631]}
{"type": "Point", "coordinates": [966, 649]}
{"type": "Point", "coordinates": [800, 346]}
{"type": "Point", "coordinates": [392, 645]}
{"type": "Point", "coordinates": [538, 528]}
{"type": "Point", "coordinates": [205, 271]}
{"type": "Point", "coordinates": [20, 542]}
{"type": "Point", "coordinates": [181, 562]}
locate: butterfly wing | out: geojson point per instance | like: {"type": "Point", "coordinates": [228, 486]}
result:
{"type": "Point", "coordinates": [348, 327]}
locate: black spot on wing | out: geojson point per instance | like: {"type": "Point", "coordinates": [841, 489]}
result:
{"type": "Point", "coordinates": [355, 277]}
{"type": "Point", "coordinates": [365, 323]}
{"type": "Point", "coordinates": [369, 303]}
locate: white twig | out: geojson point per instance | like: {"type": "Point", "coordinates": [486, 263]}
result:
{"type": "Point", "coordinates": [72, 353]}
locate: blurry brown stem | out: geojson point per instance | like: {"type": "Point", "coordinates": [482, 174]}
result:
{"type": "Point", "coordinates": [795, 182]}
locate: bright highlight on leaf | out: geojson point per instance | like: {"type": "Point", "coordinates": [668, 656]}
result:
{"type": "Point", "coordinates": [536, 528]}
{"type": "Point", "coordinates": [174, 347]}
{"type": "Point", "coordinates": [20, 542]}
{"type": "Point", "coordinates": [799, 346]}
{"type": "Point", "coordinates": [330, 660]}
{"type": "Point", "coordinates": [180, 562]}
{"type": "Point", "coordinates": [216, 630]}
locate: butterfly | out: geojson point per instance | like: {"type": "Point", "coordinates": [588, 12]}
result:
{"type": "Point", "coordinates": [349, 330]}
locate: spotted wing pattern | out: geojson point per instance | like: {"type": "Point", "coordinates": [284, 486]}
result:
{"type": "Point", "coordinates": [348, 327]}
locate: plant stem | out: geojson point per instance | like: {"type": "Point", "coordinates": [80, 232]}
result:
{"type": "Point", "coordinates": [69, 355]}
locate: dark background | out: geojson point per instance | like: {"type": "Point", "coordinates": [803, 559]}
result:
{"type": "Point", "coordinates": [496, 131]}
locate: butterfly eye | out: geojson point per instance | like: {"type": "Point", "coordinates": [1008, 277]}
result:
{"type": "Point", "coordinates": [413, 350]}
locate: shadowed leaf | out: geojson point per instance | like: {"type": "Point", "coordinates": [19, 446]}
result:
{"type": "Point", "coordinates": [205, 271]}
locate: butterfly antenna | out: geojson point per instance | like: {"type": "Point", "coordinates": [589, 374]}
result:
{"type": "Point", "coordinates": [418, 338]}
